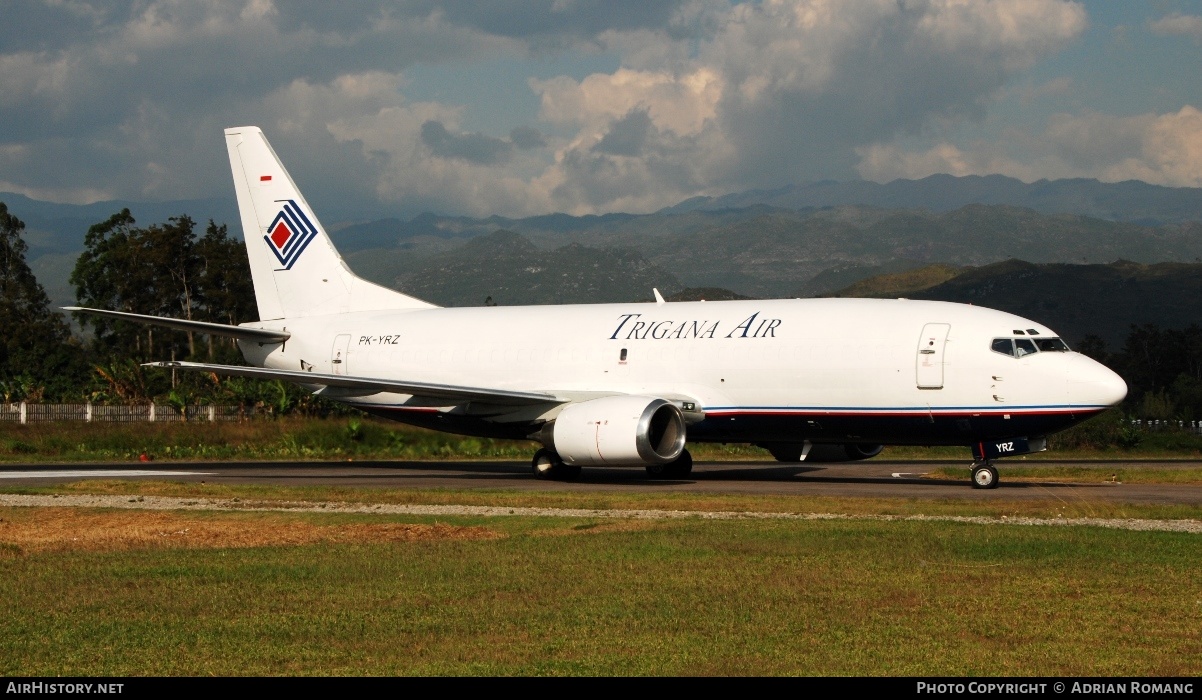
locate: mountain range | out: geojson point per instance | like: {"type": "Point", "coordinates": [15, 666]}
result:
{"type": "Point", "coordinates": [1074, 300]}
{"type": "Point", "coordinates": [1131, 200]}
{"type": "Point", "coordinates": [961, 237]}
{"type": "Point", "coordinates": [766, 252]}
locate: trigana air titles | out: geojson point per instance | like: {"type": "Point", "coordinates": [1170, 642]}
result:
{"type": "Point", "coordinates": [629, 385]}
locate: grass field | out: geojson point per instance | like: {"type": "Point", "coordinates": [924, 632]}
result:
{"type": "Point", "coordinates": [89, 591]}
{"type": "Point", "coordinates": [367, 438]}
{"type": "Point", "coordinates": [634, 499]}
{"type": "Point", "coordinates": [341, 594]}
{"type": "Point", "coordinates": [288, 438]}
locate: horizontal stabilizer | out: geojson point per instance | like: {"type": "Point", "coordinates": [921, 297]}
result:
{"type": "Point", "coordinates": [261, 335]}
{"type": "Point", "coordinates": [456, 394]}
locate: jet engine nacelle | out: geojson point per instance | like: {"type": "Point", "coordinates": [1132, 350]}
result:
{"type": "Point", "coordinates": [617, 430]}
{"type": "Point", "coordinates": [849, 452]}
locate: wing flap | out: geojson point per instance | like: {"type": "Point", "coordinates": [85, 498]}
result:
{"type": "Point", "coordinates": [456, 394]}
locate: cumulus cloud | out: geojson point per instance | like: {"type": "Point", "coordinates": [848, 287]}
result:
{"type": "Point", "coordinates": [1163, 149]}
{"type": "Point", "coordinates": [787, 90]}
{"type": "Point", "coordinates": [681, 103]}
{"type": "Point", "coordinates": [627, 136]}
{"type": "Point", "coordinates": [707, 97]}
{"type": "Point", "coordinates": [1056, 87]}
{"type": "Point", "coordinates": [526, 137]}
{"type": "Point", "coordinates": [557, 23]}
{"type": "Point", "coordinates": [1178, 24]}
{"type": "Point", "coordinates": [474, 148]}
{"type": "Point", "coordinates": [128, 94]}
{"type": "Point", "coordinates": [416, 157]}
{"type": "Point", "coordinates": [723, 97]}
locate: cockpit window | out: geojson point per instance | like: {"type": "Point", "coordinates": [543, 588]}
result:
{"type": "Point", "coordinates": [1017, 347]}
{"type": "Point", "coordinates": [1051, 345]}
{"type": "Point", "coordinates": [1003, 345]}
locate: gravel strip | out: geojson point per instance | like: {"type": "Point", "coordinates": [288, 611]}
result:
{"type": "Point", "coordinates": [174, 503]}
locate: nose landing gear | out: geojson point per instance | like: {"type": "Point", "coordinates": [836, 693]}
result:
{"type": "Point", "coordinates": [984, 475]}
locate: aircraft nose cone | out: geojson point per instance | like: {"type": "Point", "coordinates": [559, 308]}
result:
{"type": "Point", "coordinates": [1092, 383]}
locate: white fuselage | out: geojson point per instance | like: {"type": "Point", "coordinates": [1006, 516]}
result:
{"type": "Point", "coordinates": [824, 369]}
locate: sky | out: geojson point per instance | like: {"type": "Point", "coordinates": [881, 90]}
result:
{"type": "Point", "coordinates": [588, 107]}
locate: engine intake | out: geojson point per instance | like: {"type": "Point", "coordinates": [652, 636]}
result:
{"type": "Point", "coordinates": [616, 431]}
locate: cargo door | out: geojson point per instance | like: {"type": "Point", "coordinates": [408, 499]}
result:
{"type": "Point", "coordinates": [929, 364]}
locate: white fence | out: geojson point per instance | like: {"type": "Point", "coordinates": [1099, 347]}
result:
{"type": "Point", "coordinates": [46, 412]}
{"type": "Point", "coordinates": [1189, 426]}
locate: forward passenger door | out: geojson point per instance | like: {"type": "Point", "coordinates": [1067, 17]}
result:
{"type": "Point", "coordinates": [929, 363]}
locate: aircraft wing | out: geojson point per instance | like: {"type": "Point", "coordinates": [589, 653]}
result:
{"type": "Point", "coordinates": [456, 394]}
{"type": "Point", "coordinates": [260, 335]}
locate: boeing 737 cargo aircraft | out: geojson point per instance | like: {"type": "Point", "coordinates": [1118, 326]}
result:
{"type": "Point", "coordinates": [631, 384]}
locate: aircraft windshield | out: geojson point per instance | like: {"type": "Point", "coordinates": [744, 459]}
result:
{"type": "Point", "coordinates": [1051, 345]}
{"type": "Point", "coordinates": [1017, 347]}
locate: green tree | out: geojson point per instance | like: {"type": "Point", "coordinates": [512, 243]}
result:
{"type": "Point", "coordinates": [37, 356]}
{"type": "Point", "coordinates": [226, 292]}
{"type": "Point", "coordinates": [172, 269]}
{"type": "Point", "coordinates": [161, 270]}
{"type": "Point", "coordinates": [1094, 347]}
{"type": "Point", "coordinates": [108, 275]}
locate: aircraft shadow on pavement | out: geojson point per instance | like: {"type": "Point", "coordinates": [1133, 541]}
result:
{"type": "Point", "coordinates": [797, 474]}
{"type": "Point", "coordinates": [399, 472]}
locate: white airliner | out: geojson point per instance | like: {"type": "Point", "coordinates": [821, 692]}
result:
{"type": "Point", "coordinates": [629, 384]}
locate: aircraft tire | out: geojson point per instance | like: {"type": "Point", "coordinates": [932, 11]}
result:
{"type": "Point", "coordinates": [546, 464]}
{"type": "Point", "coordinates": [984, 476]}
{"type": "Point", "coordinates": [682, 467]}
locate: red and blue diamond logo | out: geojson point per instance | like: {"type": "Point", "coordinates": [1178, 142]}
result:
{"type": "Point", "coordinates": [290, 233]}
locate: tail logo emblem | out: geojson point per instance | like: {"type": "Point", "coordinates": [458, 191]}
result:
{"type": "Point", "coordinates": [290, 233]}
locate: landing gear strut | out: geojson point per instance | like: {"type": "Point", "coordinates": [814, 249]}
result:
{"type": "Point", "coordinates": [984, 475]}
{"type": "Point", "coordinates": [548, 465]}
{"type": "Point", "coordinates": [681, 467]}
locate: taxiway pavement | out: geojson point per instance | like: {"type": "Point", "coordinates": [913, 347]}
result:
{"type": "Point", "coordinates": [885, 479]}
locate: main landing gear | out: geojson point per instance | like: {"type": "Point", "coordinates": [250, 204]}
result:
{"type": "Point", "coordinates": [681, 467]}
{"type": "Point", "coordinates": [547, 465]}
{"type": "Point", "coordinates": [984, 475]}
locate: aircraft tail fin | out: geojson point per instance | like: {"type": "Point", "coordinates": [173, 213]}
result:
{"type": "Point", "coordinates": [295, 268]}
